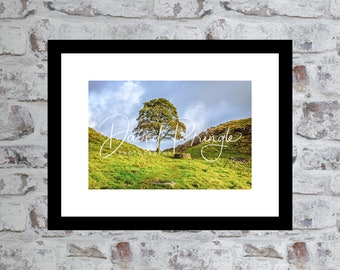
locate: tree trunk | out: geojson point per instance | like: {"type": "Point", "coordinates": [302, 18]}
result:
{"type": "Point", "coordinates": [158, 145]}
{"type": "Point", "coordinates": [159, 138]}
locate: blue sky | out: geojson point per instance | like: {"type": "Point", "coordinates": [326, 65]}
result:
{"type": "Point", "coordinates": [114, 105]}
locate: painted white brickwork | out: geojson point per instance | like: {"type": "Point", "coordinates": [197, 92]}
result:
{"type": "Point", "coordinates": [25, 27]}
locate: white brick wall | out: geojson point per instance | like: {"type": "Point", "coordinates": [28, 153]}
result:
{"type": "Point", "coordinates": [25, 27]}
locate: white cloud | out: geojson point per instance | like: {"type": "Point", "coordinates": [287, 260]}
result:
{"type": "Point", "coordinates": [113, 99]}
{"type": "Point", "coordinates": [195, 117]}
{"type": "Point", "coordinates": [129, 92]}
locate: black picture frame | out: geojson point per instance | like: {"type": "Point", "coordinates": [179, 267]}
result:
{"type": "Point", "coordinates": [56, 48]}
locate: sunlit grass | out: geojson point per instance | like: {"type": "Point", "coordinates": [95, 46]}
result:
{"type": "Point", "coordinates": [133, 168]}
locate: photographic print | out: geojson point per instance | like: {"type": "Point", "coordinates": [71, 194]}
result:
{"type": "Point", "coordinates": [169, 135]}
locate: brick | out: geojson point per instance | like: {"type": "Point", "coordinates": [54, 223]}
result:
{"type": "Point", "coordinates": [320, 158]}
{"type": "Point", "coordinates": [320, 120]}
{"type": "Point", "coordinates": [23, 156]}
{"type": "Point", "coordinates": [12, 40]}
{"type": "Point", "coordinates": [194, 256]}
{"type": "Point", "coordinates": [38, 214]}
{"type": "Point", "coordinates": [23, 81]}
{"type": "Point", "coordinates": [76, 263]}
{"type": "Point", "coordinates": [219, 28]}
{"type": "Point", "coordinates": [89, 8]}
{"type": "Point", "coordinates": [43, 128]}
{"type": "Point", "coordinates": [182, 9]}
{"type": "Point", "coordinates": [43, 259]}
{"type": "Point", "coordinates": [26, 256]}
{"type": "Point", "coordinates": [300, 74]}
{"type": "Point", "coordinates": [121, 253]}
{"type": "Point", "coordinates": [250, 30]}
{"type": "Point", "coordinates": [266, 251]}
{"type": "Point", "coordinates": [326, 72]}
{"type": "Point", "coordinates": [90, 251]}
{"type": "Point", "coordinates": [267, 8]}
{"type": "Point", "coordinates": [300, 78]}
{"type": "Point", "coordinates": [15, 9]}
{"type": "Point", "coordinates": [335, 8]}
{"type": "Point", "coordinates": [53, 234]}
{"type": "Point", "coordinates": [17, 183]}
{"type": "Point", "coordinates": [178, 252]}
{"type": "Point", "coordinates": [307, 37]}
{"type": "Point", "coordinates": [258, 263]}
{"type": "Point", "coordinates": [335, 185]}
{"type": "Point", "coordinates": [229, 234]}
{"type": "Point", "coordinates": [294, 154]}
{"type": "Point", "coordinates": [185, 31]}
{"type": "Point", "coordinates": [313, 213]}
{"type": "Point", "coordinates": [322, 71]}
{"type": "Point", "coordinates": [12, 258]}
{"type": "Point", "coordinates": [298, 255]}
{"type": "Point", "coordinates": [9, 221]}
{"type": "Point", "coordinates": [132, 29]}
{"type": "Point", "coordinates": [15, 121]}
{"type": "Point", "coordinates": [325, 254]}
{"type": "Point", "coordinates": [40, 33]}
{"type": "Point", "coordinates": [310, 182]}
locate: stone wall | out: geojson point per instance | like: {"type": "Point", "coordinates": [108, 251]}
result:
{"type": "Point", "coordinates": [25, 27]}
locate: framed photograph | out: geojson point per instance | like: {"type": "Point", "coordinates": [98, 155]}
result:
{"type": "Point", "coordinates": [170, 135]}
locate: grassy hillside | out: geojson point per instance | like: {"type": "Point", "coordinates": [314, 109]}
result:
{"type": "Point", "coordinates": [131, 167]}
{"type": "Point", "coordinates": [239, 146]}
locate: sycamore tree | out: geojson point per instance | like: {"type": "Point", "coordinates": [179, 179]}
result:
{"type": "Point", "coordinates": [158, 120]}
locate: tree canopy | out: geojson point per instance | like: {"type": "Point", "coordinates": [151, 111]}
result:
{"type": "Point", "coordinates": [158, 120]}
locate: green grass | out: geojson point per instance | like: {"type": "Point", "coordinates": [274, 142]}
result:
{"type": "Point", "coordinates": [131, 167]}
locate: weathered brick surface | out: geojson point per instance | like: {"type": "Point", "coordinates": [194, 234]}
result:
{"type": "Point", "coordinates": [26, 256]}
{"type": "Point", "coordinates": [91, 251]}
{"type": "Point", "coordinates": [76, 263]}
{"type": "Point", "coordinates": [15, 121]}
{"type": "Point", "coordinates": [306, 37]}
{"type": "Point", "coordinates": [267, 8]}
{"type": "Point", "coordinates": [12, 40]}
{"type": "Point", "coordinates": [219, 28]}
{"type": "Point", "coordinates": [89, 8]}
{"type": "Point", "coordinates": [325, 254]}
{"type": "Point", "coordinates": [335, 8]}
{"type": "Point", "coordinates": [268, 251]}
{"type": "Point", "coordinates": [130, 29]}
{"type": "Point", "coordinates": [23, 156]}
{"type": "Point", "coordinates": [16, 9]}
{"type": "Point", "coordinates": [17, 183]}
{"type": "Point", "coordinates": [313, 213]}
{"type": "Point", "coordinates": [12, 217]}
{"type": "Point", "coordinates": [322, 74]}
{"type": "Point", "coordinates": [258, 263]}
{"type": "Point", "coordinates": [321, 158]}
{"type": "Point", "coordinates": [298, 255]}
{"type": "Point", "coordinates": [25, 28]}
{"type": "Point", "coordinates": [22, 81]}
{"type": "Point", "coordinates": [38, 214]}
{"type": "Point", "coordinates": [320, 120]}
{"type": "Point", "coordinates": [335, 185]}
{"type": "Point", "coordinates": [310, 182]}
{"type": "Point", "coordinates": [181, 9]}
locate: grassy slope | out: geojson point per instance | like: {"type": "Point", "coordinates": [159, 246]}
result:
{"type": "Point", "coordinates": [133, 168]}
{"type": "Point", "coordinates": [238, 149]}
